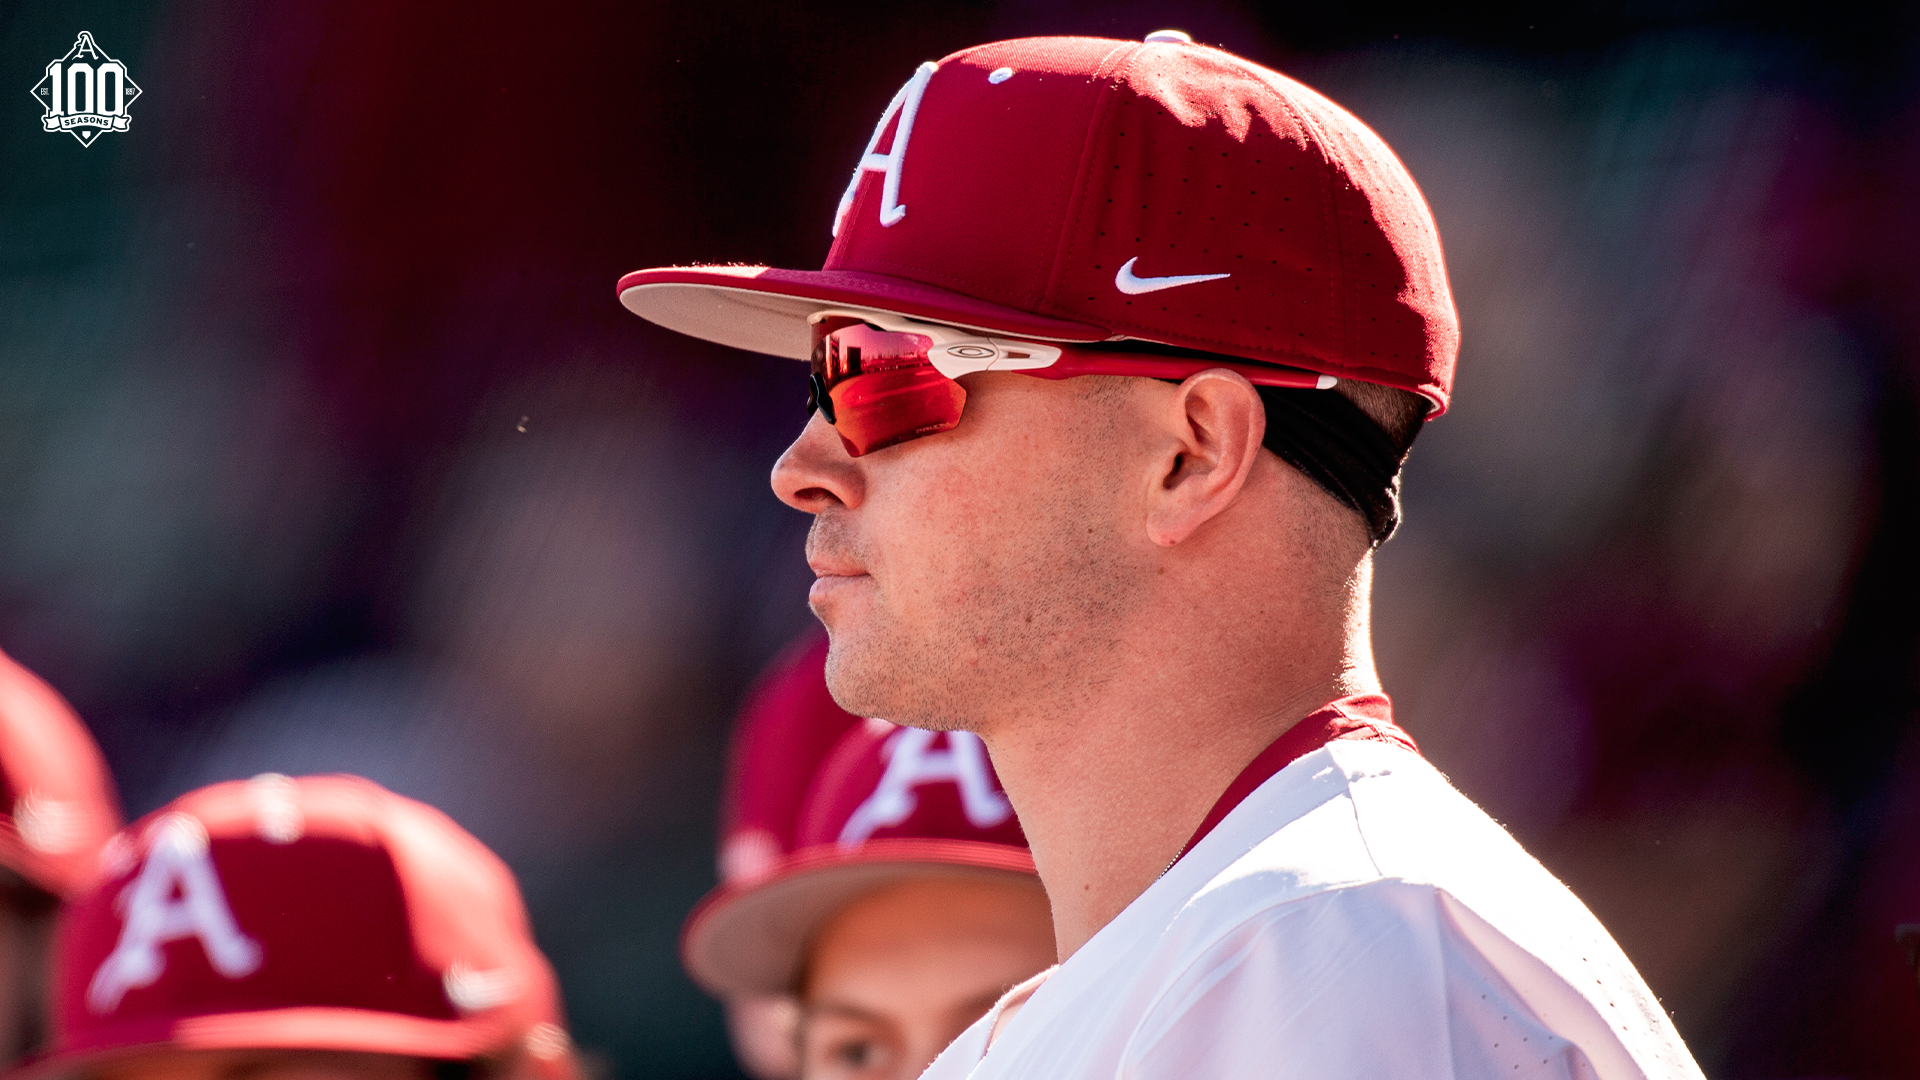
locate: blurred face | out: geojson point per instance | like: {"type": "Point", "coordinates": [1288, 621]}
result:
{"type": "Point", "coordinates": [266, 1065]}
{"type": "Point", "coordinates": [954, 567]}
{"type": "Point", "coordinates": [898, 974]}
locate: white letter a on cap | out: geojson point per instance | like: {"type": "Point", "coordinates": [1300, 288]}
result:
{"type": "Point", "coordinates": [912, 761]}
{"type": "Point", "coordinates": [177, 895]}
{"type": "Point", "coordinates": [905, 104]}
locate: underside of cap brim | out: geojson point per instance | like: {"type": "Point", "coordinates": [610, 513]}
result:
{"type": "Point", "coordinates": [751, 938]}
{"type": "Point", "coordinates": [764, 309]}
{"type": "Point", "coordinates": [341, 1029]}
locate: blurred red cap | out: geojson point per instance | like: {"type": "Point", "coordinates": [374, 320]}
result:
{"type": "Point", "coordinates": [1080, 189]}
{"type": "Point", "coordinates": [320, 913]}
{"type": "Point", "coordinates": [824, 806]}
{"type": "Point", "coordinates": [788, 726]}
{"type": "Point", "coordinates": [57, 804]}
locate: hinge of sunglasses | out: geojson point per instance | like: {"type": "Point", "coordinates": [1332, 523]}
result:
{"type": "Point", "coordinates": [956, 352]}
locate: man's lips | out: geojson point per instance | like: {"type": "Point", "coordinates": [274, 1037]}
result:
{"type": "Point", "coordinates": [826, 566]}
{"type": "Point", "coordinates": [826, 583]}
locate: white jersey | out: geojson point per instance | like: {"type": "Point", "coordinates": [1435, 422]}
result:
{"type": "Point", "coordinates": [1355, 916]}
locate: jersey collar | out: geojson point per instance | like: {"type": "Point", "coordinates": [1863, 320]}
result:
{"type": "Point", "coordinates": [1366, 717]}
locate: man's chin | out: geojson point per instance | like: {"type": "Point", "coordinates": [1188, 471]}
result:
{"type": "Point", "coordinates": [869, 674]}
{"type": "Point", "coordinates": [863, 672]}
{"type": "Point", "coordinates": [852, 678]}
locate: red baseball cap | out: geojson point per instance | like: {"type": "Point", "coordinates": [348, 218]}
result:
{"type": "Point", "coordinates": [1085, 190]}
{"type": "Point", "coordinates": [319, 913]}
{"type": "Point", "coordinates": [57, 804]}
{"type": "Point", "coordinates": [788, 726]}
{"type": "Point", "coordinates": [882, 803]}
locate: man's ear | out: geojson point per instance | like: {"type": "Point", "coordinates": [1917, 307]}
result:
{"type": "Point", "coordinates": [1216, 421]}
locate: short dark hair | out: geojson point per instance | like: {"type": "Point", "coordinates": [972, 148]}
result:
{"type": "Point", "coordinates": [1400, 413]}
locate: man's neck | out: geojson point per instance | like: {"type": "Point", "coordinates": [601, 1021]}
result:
{"type": "Point", "coordinates": [1109, 795]}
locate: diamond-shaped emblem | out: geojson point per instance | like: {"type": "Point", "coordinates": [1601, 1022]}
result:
{"type": "Point", "coordinates": [85, 93]}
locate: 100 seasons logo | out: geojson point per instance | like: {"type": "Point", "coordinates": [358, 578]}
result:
{"type": "Point", "coordinates": [86, 92]}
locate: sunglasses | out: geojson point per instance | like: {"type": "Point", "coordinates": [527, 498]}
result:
{"type": "Point", "coordinates": [881, 380]}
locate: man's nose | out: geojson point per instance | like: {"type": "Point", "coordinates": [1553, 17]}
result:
{"type": "Point", "coordinates": [816, 471]}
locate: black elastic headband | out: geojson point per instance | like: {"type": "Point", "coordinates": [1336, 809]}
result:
{"type": "Point", "coordinates": [1327, 437]}
{"type": "Point", "coordinates": [1338, 446]}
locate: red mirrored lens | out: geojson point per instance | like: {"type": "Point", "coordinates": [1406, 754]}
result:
{"type": "Point", "coordinates": [880, 410]}
{"type": "Point", "coordinates": [883, 388]}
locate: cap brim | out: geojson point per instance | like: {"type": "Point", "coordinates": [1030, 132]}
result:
{"type": "Point", "coordinates": [357, 1030]}
{"type": "Point", "coordinates": [764, 309]}
{"type": "Point", "coordinates": [750, 937]}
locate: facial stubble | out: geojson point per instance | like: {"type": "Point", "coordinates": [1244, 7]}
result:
{"type": "Point", "coordinates": [1031, 597]}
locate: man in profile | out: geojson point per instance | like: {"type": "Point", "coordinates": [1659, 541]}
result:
{"type": "Point", "coordinates": [1116, 358]}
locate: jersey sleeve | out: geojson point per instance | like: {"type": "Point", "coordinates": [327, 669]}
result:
{"type": "Point", "coordinates": [1370, 981]}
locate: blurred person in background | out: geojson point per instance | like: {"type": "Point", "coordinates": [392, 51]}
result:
{"type": "Point", "coordinates": [876, 894]}
{"type": "Point", "coordinates": [57, 806]}
{"type": "Point", "coordinates": [787, 727]}
{"type": "Point", "coordinates": [320, 928]}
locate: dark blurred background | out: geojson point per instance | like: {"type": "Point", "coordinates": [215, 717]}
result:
{"type": "Point", "coordinates": [324, 444]}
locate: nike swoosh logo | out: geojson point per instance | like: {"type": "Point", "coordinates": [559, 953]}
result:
{"type": "Point", "coordinates": [1127, 283]}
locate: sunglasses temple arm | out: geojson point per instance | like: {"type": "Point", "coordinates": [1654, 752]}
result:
{"type": "Point", "coordinates": [1092, 362]}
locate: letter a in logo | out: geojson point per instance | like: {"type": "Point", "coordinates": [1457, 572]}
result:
{"type": "Point", "coordinates": [912, 761]}
{"type": "Point", "coordinates": [177, 895]}
{"type": "Point", "coordinates": [905, 104]}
